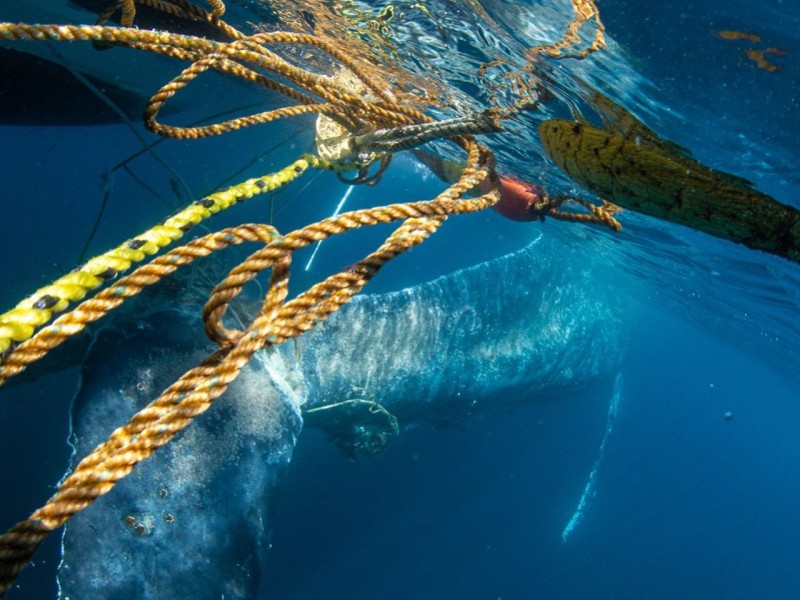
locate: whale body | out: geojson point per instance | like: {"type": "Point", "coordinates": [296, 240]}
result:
{"type": "Point", "coordinates": [194, 520]}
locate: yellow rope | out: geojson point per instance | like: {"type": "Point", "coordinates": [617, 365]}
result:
{"type": "Point", "coordinates": [177, 8]}
{"type": "Point", "coordinates": [585, 11]}
{"type": "Point", "coordinates": [21, 322]}
{"type": "Point", "coordinates": [277, 322]}
{"type": "Point", "coordinates": [360, 114]}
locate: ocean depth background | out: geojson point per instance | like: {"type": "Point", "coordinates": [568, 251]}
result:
{"type": "Point", "coordinates": [686, 504]}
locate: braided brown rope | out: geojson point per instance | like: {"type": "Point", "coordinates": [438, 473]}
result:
{"type": "Point", "coordinates": [354, 111]}
{"type": "Point", "coordinates": [91, 310]}
{"type": "Point", "coordinates": [128, 12]}
{"type": "Point", "coordinates": [176, 8]}
{"type": "Point", "coordinates": [349, 107]}
{"type": "Point", "coordinates": [585, 11]}
{"type": "Point", "coordinates": [600, 215]}
{"type": "Point", "coordinates": [218, 7]}
{"type": "Point", "coordinates": [277, 321]}
{"type": "Point", "coordinates": [186, 10]}
{"type": "Point", "coordinates": [524, 82]}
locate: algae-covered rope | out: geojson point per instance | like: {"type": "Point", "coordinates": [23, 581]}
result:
{"type": "Point", "coordinates": [643, 173]}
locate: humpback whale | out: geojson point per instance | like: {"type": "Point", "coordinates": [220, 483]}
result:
{"type": "Point", "coordinates": [194, 521]}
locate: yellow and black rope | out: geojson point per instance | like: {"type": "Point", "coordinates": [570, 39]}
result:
{"type": "Point", "coordinates": [277, 322]}
{"type": "Point", "coordinates": [384, 124]}
{"type": "Point", "coordinates": [19, 323]}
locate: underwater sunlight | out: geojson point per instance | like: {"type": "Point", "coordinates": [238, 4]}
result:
{"type": "Point", "coordinates": [422, 299]}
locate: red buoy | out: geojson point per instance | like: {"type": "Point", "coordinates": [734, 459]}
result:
{"type": "Point", "coordinates": [518, 199]}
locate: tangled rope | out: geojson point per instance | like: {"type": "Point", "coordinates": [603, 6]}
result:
{"type": "Point", "coordinates": [276, 322]}
{"type": "Point", "coordinates": [355, 113]}
{"type": "Point", "coordinates": [20, 323]}
{"type": "Point", "coordinates": [378, 121]}
{"type": "Point", "coordinates": [377, 126]}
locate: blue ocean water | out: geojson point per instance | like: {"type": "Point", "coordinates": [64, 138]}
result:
{"type": "Point", "coordinates": [684, 503]}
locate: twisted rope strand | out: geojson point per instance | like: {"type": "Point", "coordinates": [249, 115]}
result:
{"type": "Point", "coordinates": [20, 323]}
{"type": "Point", "coordinates": [383, 123]}
{"type": "Point", "coordinates": [91, 310]}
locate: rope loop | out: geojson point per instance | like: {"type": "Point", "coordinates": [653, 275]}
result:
{"type": "Point", "coordinates": [375, 124]}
